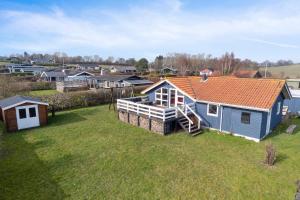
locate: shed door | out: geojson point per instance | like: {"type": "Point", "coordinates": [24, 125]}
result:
{"type": "Point", "coordinates": [27, 116]}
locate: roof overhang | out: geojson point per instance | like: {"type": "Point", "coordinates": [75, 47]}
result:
{"type": "Point", "coordinates": [82, 73]}
{"type": "Point", "coordinates": [22, 102]}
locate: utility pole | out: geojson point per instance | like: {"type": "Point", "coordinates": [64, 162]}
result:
{"type": "Point", "coordinates": [266, 68]}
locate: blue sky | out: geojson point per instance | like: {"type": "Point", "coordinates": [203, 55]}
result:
{"type": "Point", "coordinates": [257, 29]}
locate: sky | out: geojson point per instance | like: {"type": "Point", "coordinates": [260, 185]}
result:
{"type": "Point", "coordinates": [257, 29]}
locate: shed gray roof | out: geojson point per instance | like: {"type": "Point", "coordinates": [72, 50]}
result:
{"type": "Point", "coordinates": [4, 103]}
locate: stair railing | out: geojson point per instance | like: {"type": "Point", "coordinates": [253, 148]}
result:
{"type": "Point", "coordinates": [186, 116]}
{"type": "Point", "coordinates": [187, 107]}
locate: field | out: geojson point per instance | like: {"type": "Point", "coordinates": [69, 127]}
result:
{"type": "Point", "coordinates": [39, 93]}
{"type": "Point", "coordinates": [88, 154]}
{"type": "Point", "coordinates": [291, 71]}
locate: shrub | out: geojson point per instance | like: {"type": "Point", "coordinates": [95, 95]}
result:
{"type": "Point", "coordinates": [270, 154]}
{"type": "Point", "coordinates": [298, 185]}
{"type": "Point", "coordinates": [42, 86]}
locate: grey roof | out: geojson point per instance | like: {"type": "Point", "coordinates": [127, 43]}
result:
{"type": "Point", "coordinates": [139, 82]}
{"type": "Point", "coordinates": [55, 74]}
{"type": "Point", "coordinates": [112, 77]}
{"type": "Point", "coordinates": [17, 99]}
{"type": "Point", "coordinates": [75, 72]}
{"type": "Point", "coordinates": [124, 68]}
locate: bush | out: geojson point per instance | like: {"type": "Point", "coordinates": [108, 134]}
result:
{"type": "Point", "coordinates": [42, 86]}
{"type": "Point", "coordinates": [270, 155]}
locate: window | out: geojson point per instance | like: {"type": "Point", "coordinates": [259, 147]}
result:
{"type": "Point", "coordinates": [212, 110]}
{"type": "Point", "coordinates": [22, 113]}
{"type": "Point", "coordinates": [161, 97]}
{"type": "Point", "coordinates": [299, 85]}
{"type": "Point", "coordinates": [245, 119]}
{"type": "Point", "coordinates": [32, 112]}
{"type": "Point", "coordinates": [278, 108]}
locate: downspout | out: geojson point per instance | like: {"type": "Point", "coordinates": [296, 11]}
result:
{"type": "Point", "coordinates": [221, 118]}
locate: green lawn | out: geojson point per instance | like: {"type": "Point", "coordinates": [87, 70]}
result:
{"type": "Point", "coordinates": [88, 154]}
{"type": "Point", "coordinates": [39, 93]}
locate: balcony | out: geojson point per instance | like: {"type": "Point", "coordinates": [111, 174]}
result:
{"type": "Point", "coordinates": [142, 106]}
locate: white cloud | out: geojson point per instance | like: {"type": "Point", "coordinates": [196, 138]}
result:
{"type": "Point", "coordinates": [144, 28]}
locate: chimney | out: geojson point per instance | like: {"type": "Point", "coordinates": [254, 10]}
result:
{"type": "Point", "coordinates": [203, 77]}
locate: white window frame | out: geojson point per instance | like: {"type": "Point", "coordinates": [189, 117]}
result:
{"type": "Point", "coordinates": [278, 108]}
{"type": "Point", "coordinates": [211, 114]}
{"type": "Point", "coordinates": [159, 91]}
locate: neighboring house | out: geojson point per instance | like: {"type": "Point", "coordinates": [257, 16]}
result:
{"type": "Point", "coordinates": [250, 108]}
{"type": "Point", "coordinates": [20, 112]}
{"type": "Point", "coordinates": [293, 83]}
{"type": "Point", "coordinates": [293, 105]}
{"type": "Point", "coordinates": [24, 68]}
{"type": "Point", "coordinates": [247, 74]}
{"type": "Point", "coordinates": [168, 71]}
{"type": "Point", "coordinates": [87, 66]}
{"type": "Point", "coordinates": [53, 76]}
{"type": "Point", "coordinates": [65, 75]}
{"type": "Point", "coordinates": [77, 75]}
{"type": "Point", "coordinates": [109, 81]}
{"type": "Point", "coordinates": [123, 69]}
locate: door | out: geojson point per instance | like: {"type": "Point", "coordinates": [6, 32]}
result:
{"type": "Point", "coordinates": [172, 98]}
{"type": "Point", "coordinates": [27, 116]}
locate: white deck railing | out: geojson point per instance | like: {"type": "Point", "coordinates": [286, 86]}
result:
{"type": "Point", "coordinates": [150, 111]}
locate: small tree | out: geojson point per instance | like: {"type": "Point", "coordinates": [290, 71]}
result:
{"type": "Point", "coordinates": [270, 154]}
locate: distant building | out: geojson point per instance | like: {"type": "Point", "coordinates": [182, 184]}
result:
{"type": "Point", "coordinates": [207, 72]}
{"type": "Point", "coordinates": [88, 66]}
{"type": "Point", "coordinates": [123, 69]}
{"type": "Point", "coordinates": [168, 71]}
{"type": "Point", "coordinates": [109, 81]}
{"type": "Point", "coordinates": [247, 74]}
{"type": "Point", "coordinates": [65, 75]}
{"type": "Point", "coordinates": [293, 105]}
{"type": "Point", "coordinates": [25, 68]}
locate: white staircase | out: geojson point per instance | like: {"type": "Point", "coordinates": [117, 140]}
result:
{"type": "Point", "coordinates": [188, 119]}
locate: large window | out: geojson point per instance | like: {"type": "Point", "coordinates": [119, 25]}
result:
{"type": "Point", "coordinates": [245, 118]}
{"type": "Point", "coordinates": [278, 108]}
{"type": "Point", "coordinates": [161, 97]}
{"type": "Point", "coordinates": [212, 110]}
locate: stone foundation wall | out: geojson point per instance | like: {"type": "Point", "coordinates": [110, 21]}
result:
{"type": "Point", "coordinates": [133, 119]}
{"type": "Point", "coordinates": [157, 126]}
{"type": "Point", "coordinates": [123, 116]}
{"type": "Point", "coordinates": [144, 123]}
{"type": "Point", "coordinates": [154, 125]}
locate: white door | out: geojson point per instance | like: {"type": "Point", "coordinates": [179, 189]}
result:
{"type": "Point", "coordinates": [27, 116]}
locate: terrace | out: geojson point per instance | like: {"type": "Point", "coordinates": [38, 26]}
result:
{"type": "Point", "coordinates": [185, 114]}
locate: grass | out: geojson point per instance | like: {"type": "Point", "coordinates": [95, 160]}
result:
{"type": "Point", "coordinates": [39, 93]}
{"type": "Point", "coordinates": [89, 154]}
{"type": "Point", "coordinates": [291, 71]}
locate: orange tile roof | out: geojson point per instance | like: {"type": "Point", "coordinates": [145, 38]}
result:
{"type": "Point", "coordinates": [246, 92]}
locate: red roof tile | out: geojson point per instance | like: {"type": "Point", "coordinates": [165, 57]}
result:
{"type": "Point", "coordinates": [253, 93]}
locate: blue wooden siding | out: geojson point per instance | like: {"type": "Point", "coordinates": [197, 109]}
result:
{"type": "Point", "coordinates": [232, 122]}
{"type": "Point", "coordinates": [208, 121]}
{"type": "Point", "coordinates": [276, 118]}
{"type": "Point", "coordinates": [293, 104]}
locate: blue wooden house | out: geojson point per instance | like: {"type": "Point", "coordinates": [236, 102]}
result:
{"type": "Point", "coordinates": [245, 107]}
